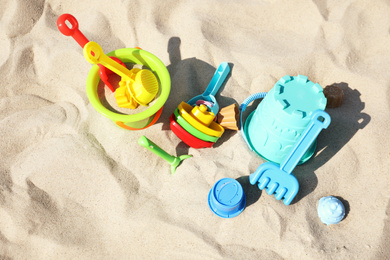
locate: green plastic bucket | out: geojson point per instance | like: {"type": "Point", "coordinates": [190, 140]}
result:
{"type": "Point", "coordinates": [147, 117]}
{"type": "Point", "coordinates": [281, 117]}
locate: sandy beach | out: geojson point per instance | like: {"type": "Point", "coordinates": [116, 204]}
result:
{"type": "Point", "coordinates": [74, 185]}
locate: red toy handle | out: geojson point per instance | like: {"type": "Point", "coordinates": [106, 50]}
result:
{"type": "Point", "coordinates": [73, 31]}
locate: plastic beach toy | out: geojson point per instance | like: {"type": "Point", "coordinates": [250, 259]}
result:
{"type": "Point", "coordinates": [142, 119]}
{"type": "Point", "coordinates": [186, 137]}
{"type": "Point", "coordinates": [79, 37]}
{"type": "Point", "coordinates": [201, 119]}
{"type": "Point", "coordinates": [334, 95]}
{"type": "Point", "coordinates": [130, 94]}
{"type": "Point", "coordinates": [141, 85]}
{"type": "Point", "coordinates": [73, 31]}
{"type": "Point", "coordinates": [172, 160]}
{"type": "Point", "coordinates": [192, 130]}
{"type": "Point", "coordinates": [331, 210]}
{"type": "Point", "coordinates": [213, 87]}
{"type": "Point", "coordinates": [207, 103]}
{"type": "Point", "coordinates": [282, 116]}
{"type": "Point", "coordinates": [122, 94]}
{"type": "Point", "coordinates": [228, 117]}
{"type": "Point", "coordinates": [278, 179]}
{"type": "Point", "coordinates": [104, 73]}
{"type": "Point", "coordinates": [227, 198]}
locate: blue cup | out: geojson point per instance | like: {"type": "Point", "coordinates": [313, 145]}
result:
{"type": "Point", "coordinates": [227, 198]}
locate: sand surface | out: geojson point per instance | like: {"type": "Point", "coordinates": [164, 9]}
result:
{"type": "Point", "coordinates": [73, 185]}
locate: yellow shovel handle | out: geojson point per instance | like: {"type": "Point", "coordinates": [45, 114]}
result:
{"type": "Point", "coordinates": [94, 54]}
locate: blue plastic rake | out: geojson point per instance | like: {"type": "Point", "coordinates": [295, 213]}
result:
{"type": "Point", "coordinates": [278, 179]}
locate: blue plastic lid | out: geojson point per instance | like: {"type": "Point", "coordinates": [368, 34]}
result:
{"type": "Point", "coordinates": [331, 210]}
{"type": "Point", "coordinates": [227, 198]}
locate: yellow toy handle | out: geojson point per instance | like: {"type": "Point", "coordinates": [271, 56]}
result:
{"type": "Point", "coordinates": [94, 54]}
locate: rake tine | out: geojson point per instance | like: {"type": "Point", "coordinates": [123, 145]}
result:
{"type": "Point", "coordinates": [287, 201]}
{"type": "Point", "coordinates": [280, 193]}
{"type": "Point", "coordinates": [263, 182]}
{"type": "Point", "coordinates": [289, 197]}
{"type": "Point", "coordinates": [254, 177]}
{"type": "Point", "coordinates": [272, 188]}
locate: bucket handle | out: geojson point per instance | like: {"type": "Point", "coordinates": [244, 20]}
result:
{"type": "Point", "coordinates": [156, 117]}
{"type": "Point", "coordinates": [243, 106]}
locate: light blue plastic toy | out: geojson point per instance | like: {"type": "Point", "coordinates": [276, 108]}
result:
{"type": "Point", "coordinates": [227, 198]}
{"type": "Point", "coordinates": [281, 117]}
{"type": "Point", "coordinates": [278, 179]}
{"type": "Point", "coordinates": [331, 210]}
{"type": "Point", "coordinates": [243, 107]}
{"type": "Point", "coordinates": [213, 87]}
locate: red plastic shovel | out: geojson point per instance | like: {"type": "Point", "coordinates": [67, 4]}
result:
{"type": "Point", "coordinates": [82, 40]}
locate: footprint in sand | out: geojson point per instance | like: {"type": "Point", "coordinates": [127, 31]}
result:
{"type": "Point", "coordinates": [21, 16]}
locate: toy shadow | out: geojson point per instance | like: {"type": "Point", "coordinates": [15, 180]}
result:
{"type": "Point", "coordinates": [347, 120]}
{"type": "Point", "coordinates": [189, 78]}
{"type": "Point", "coordinates": [346, 205]}
{"type": "Point", "coordinates": [252, 192]}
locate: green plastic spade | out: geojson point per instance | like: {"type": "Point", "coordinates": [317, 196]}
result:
{"type": "Point", "coordinates": [172, 160]}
